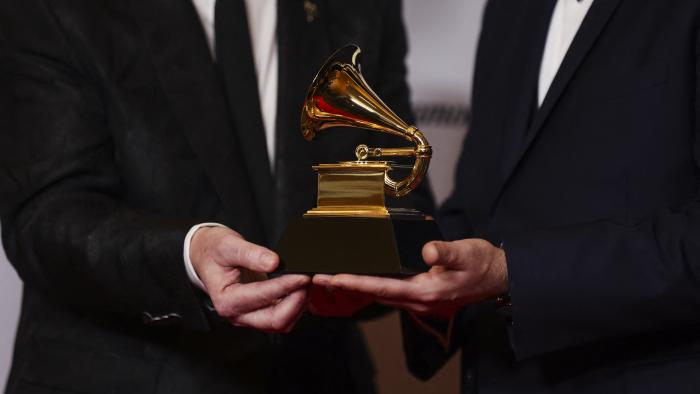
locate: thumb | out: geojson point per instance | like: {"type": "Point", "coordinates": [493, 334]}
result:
{"type": "Point", "coordinates": [440, 253]}
{"type": "Point", "coordinates": [239, 253]}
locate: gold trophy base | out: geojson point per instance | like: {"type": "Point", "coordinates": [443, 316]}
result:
{"type": "Point", "coordinates": [389, 246]}
{"type": "Point", "coordinates": [351, 231]}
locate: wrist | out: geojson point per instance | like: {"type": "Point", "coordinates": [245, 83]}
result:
{"type": "Point", "coordinates": [502, 278]}
{"type": "Point", "coordinates": [503, 302]}
{"type": "Point", "coordinates": [198, 246]}
{"type": "Point", "coordinates": [194, 251]}
{"type": "Point", "coordinates": [497, 278]}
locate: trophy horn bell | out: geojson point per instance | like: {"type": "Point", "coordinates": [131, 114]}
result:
{"type": "Point", "coordinates": [340, 96]}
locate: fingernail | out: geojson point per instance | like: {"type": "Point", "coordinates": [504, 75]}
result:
{"type": "Point", "coordinates": [322, 280]}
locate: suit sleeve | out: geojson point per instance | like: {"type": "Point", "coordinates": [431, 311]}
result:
{"type": "Point", "coordinates": [66, 228]}
{"type": "Point", "coordinates": [590, 282]}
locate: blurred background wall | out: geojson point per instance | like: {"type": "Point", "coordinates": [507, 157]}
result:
{"type": "Point", "coordinates": [442, 39]}
{"type": "Point", "coordinates": [10, 295]}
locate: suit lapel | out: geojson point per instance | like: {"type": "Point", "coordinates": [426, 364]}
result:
{"type": "Point", "coordinates": [590, 29]}
{"type": "Point", "coordinates": [189, 79]}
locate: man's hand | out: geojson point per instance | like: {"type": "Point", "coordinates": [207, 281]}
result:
{"type": "Point", "coordinates": [233, 271]}
{"type": "Point", "coordinates": [463, 272]}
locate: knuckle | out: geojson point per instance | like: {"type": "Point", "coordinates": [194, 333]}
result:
{"type": "Point", "coordinates": [220, 250]}
{"type": "Point", "coordinates": [249, 255]}
{"type": "Point", "coordinates": [234, 250]}
{"type": "Point", "coordinates": [449, 254]}
{"type": "Point", "coordinates": [241, 255]}
{"type": "Point", "coordinates": [467, 248]}
{"type": "Point", "coordinates": [252, 254]}
{"type": "Point", "coordinates": [221, 306]}
{"type": "Point", "coordinates": [224, 307]}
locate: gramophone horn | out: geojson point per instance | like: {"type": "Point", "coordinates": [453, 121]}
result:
{"type": "Point", "coordinates": [340, 96]}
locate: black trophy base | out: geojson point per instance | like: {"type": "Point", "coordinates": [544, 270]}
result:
{"type": "Point", "coordinates": [354, 245]}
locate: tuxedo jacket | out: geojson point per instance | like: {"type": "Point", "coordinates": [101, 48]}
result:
{"type": "Point", "coordinates": [119, 132]}
{"type": "Point", "coordinates": [594, 197]}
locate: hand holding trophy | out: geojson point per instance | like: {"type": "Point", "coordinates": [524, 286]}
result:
{"type": "Point", "coordinates": [378, 254]}
{"type": "Point", "coordinates": [351, 229]}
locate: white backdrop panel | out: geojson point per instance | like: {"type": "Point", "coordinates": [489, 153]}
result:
{"type": "Point", "coordinates": [10, 295]}
{"type": "Point", "coordinates": [442, 38]}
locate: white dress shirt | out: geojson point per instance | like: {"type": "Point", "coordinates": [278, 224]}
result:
{"type": "Point", "coordinates": [566, 20]}
{"type": "Point", "coordinates": [262, 25]}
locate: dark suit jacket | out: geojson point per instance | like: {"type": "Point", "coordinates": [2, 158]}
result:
{"type": "Point", "coordinates": [117, 136]}
{"type": "Point", "coordinates": [595, 198]}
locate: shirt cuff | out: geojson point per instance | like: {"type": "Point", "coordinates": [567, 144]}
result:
{"type": "Point", "coordinates": [191, 273]}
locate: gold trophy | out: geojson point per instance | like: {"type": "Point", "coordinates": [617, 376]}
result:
{"type": "Point", "coordinates": [351, 230]}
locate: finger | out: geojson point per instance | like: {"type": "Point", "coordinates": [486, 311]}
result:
{"type": "Point", "coordinates": [277, 318]}
{"type": "Point", "coordinates": [244, 298]}
{"type": "Point", "coordinates": [234, 251]}
{"type": "Point", "coordinates": [446, 254]}
{"type": "Point", "coordinates": [304, 308]}
{"type": "Point", "coordinates": [380, 287]}
{"type": "Point", "coordinates": [304, 301]}
{"type": "Point", "coordinates": [322, 280]}
{"type": "Point", "coordinates": [430, 253]}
